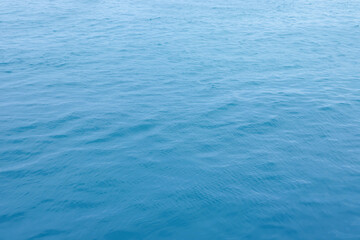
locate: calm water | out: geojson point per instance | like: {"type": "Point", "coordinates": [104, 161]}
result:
{"type": "Point", "coordinates": [179, 119]}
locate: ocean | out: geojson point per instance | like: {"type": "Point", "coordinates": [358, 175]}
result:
{"type": "Point", "coordinates": [164, 119]}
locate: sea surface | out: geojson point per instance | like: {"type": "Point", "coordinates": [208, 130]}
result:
{"type": "Point", "coordinates": [179, 119]}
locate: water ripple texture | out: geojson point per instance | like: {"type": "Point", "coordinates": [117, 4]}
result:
{"type": "Point", "coordinates": [134, 119]}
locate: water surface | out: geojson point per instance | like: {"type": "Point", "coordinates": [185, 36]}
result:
{"type": "Point", "coordinates": [179, 119]}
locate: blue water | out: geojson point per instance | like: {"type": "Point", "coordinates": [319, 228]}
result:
{"type": "Point", "coordinates": [164, 119]}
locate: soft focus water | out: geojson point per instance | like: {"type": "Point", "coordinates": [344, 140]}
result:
{"type": "Point", "coordinates": [180, 119]}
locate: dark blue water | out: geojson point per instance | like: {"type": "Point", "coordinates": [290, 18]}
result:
{"type": "Point", "coordinates": [179, 119]}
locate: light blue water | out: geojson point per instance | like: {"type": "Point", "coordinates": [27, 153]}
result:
{"type": "Point", "coordinates": [179, 119]}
